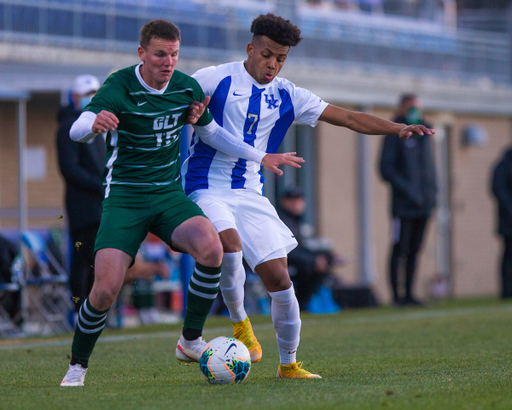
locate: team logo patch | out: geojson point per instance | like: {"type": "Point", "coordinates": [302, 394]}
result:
{"type": "Point", "coordinates": [271, 101]}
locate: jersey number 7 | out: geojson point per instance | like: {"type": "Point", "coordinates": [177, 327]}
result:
{"type": "Point", "coordinates": [254, 118]}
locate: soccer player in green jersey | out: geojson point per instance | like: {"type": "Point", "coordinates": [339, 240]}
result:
{"type": "Point", "coordinates": [142, 110]}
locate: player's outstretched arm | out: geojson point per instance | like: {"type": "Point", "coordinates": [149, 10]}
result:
{"type": "Point", "coordinates": [272, 161]}
{"type": "Point", "coordinates": [409, 130]}
{"type": "Point", "coordinates": [370, 124]}
{"type": "Point", "coordinates": [220, 139]}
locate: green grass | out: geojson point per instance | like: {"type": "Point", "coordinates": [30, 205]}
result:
{"type": "Point", "coordinates": [454, 355]}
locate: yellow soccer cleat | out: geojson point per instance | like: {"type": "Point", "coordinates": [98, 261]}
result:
{"type": "Point", "coordinates": [243, 332]}
{"type": "Point", "coordinates": [294, 371]}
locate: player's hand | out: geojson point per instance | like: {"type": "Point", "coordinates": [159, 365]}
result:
{"type": "Point", "coordinates": [410, 130]}
{"type": "Point", "coordinates": [195, 110]}
{"type": "Point", "coordinates": [272, 161]}
{"type": "Point", "coordinates": [105, 121]}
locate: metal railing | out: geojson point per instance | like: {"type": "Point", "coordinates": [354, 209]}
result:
{"type": "Point", "coordinates": [338, 39]}
{"type": "Point", "coordinates": [496, 20]}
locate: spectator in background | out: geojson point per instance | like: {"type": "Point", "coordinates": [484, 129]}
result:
{"type": "Point", "coordinates": [502, 190]}
{"type": "Point", "coordinates": [150, 262]}
{"type": "Point", "coordinates": [311, 262]}
{"type": "Point", "coordinates": [408, 166]}
{"type": "Point", "coordinates": [82, 167]}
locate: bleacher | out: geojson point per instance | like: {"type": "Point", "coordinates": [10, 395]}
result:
{"type": "Point", "coordinates": [217, 30]}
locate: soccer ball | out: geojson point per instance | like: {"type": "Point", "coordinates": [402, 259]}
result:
{"type": "Point", "coordinates": [225, 360]}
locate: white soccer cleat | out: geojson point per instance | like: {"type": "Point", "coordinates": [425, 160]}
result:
{"type": "Point", "coordinates": [74, 377]}
{"type": "Point", "coordinates": [189, 351]}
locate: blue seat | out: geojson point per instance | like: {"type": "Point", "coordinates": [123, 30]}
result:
{"type": "Point", "coordinates": [322, 302]}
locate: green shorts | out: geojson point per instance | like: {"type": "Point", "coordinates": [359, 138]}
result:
{"type": "Point", "coordinates": [126, 220]}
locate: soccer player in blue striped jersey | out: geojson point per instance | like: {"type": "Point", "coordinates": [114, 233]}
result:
{"type": "Point", "coordinates": [250, 101]}
{"type": "Point", "coordinates": [142, 109]}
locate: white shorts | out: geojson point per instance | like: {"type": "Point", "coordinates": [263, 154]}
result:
{"type": "Point", "coordinates": [264, 236]}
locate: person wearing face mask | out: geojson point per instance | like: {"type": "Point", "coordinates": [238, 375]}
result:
{"type": "Point", "coordinates": [408, 166]}
{"type": "Point", "coordinates": [81, 166]}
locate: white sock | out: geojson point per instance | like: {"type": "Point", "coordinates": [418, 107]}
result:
{"type": "Point", "coordinates": [286, 320]}
{"type": "Point", "coordinates": [232, 280]}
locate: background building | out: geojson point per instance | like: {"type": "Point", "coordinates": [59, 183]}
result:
{"type": "Point", "coordinates": [357, 54]}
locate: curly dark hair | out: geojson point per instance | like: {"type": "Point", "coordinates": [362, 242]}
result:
{"type": "Point", "coordinates": [277, 29]}
{"type": "Point", "coordinates": [159, 29]}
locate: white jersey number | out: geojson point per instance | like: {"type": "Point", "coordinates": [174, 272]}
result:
{"type": "Point", "coordinates": [254, 118]}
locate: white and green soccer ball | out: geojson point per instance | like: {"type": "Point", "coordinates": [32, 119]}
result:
{"type": "Point", "coordinates": [225, 360]}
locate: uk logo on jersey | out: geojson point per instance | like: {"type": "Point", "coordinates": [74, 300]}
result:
{"type": "Point", "coordinates": [271, 101]}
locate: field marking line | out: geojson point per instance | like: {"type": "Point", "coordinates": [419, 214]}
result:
{"type": "Point", "coordinates": [428, 314]}
{"type": "Point", "coordinates": [421, 315]}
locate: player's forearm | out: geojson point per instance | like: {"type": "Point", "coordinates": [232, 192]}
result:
{"type": "Point", "coordinates": [359, 121]}
{"type": "Point", "coordinates": [220, 139]}
{"type": "Point", "coordinates": [81, 130]}
{"type": "Point", "coordinates": [372, 125]}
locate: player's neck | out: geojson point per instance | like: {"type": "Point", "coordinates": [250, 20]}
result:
{"type": "Point", "coordinates": [246, 70]}
{"type": "Point", "coordinates": [252, 76]}
{"type": "Point", "coordinates": [153, 85]}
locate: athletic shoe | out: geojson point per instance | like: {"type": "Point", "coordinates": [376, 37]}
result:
{"type": "Point", "coordinates": [243, 332]}
{"type": "Point", "coordinates": [74, 377]}
{"type": "Point", "coordinates": [410, 301]}
{"type": "Point", "coordinates": [294, 371]}
{"type": "Point", "coordinates": [189, 351]}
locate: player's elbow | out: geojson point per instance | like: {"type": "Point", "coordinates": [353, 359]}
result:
{"type": "Point", "coordinates": [75, 134]}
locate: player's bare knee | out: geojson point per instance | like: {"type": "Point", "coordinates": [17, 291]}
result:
{"type": "Point", "coordinates": [230, 243]}
{"type": "Point", "coordinates": [103, 298]}
{"type": "Point", "coordinates": [278, 283]}
{"type": "Point", "coordinates": [232, 248]}
{"type": "Point", "coordinates": [282, 283]}
{"type": "Point", "coordinates": [211, 254]}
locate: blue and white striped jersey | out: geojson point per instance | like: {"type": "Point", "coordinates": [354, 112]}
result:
{"type": "Point", "coordinates": [260, 114]}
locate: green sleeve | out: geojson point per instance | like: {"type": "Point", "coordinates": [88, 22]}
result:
{"type": "Point", "coordinates": [207, 117]}
{"type": "Point", "coordinates": [104, 99]}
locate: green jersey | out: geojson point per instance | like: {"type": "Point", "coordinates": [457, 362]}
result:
{"type": "Point", "coordinates": [143, 153]}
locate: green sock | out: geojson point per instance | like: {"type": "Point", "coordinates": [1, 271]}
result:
{"type": "Point", "coordinates": [202, 291]}
{"type": "Point", "coordinates": [89, 326]}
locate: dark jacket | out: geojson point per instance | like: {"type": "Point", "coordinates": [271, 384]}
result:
{"type": "Point", "coordinates": [408, 165]}
{"type": "Point", "coordinates": [8, 252]}
{"type": "Point", "coordinates": [81, 165]}
{"type": "Point", "coordinates": [502, 189]}
{"type": "Point", "coordinates": [301, 258]}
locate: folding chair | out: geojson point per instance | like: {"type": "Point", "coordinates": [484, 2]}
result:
{"type": "Point", "coordinates": [46, 300]}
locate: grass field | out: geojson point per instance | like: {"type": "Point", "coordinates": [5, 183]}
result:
{"type": "Point", "coordinates": [452, 355]}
